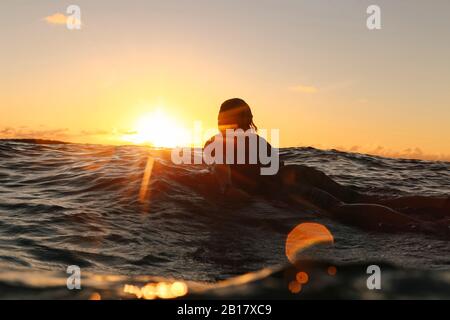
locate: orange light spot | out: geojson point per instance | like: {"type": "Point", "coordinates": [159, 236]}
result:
{"type": "Point", "coordinates": [95, 296]}
{"type": "Point", "coordinates": [163, 290]}
{"type": "Point", "coordinates": [179, 289]}
{"type": "Point", "coordinates": [332, 270]}
{"type": "Point", "coordinates": [302, 277]}
{"type": "Point", "coordinates": [295, 286]}
{"type": "Point", "coordinates": [305, 235]}
{"type": "Point", "coordinates": [130, 289]}
{"type": "Point", "coordinates": [149, 292]}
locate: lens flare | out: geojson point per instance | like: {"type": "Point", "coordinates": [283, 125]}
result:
{"type": "Point", "coordinates": [332, 270]}
{"type": "Point", "coordinates": [302, 277]}
{"type": "Point", "coordinates": [158, 290]}
{"type": "Point", "coordinates": [95, 296]}
{"type": "Point", "coordinates": [144, 190]}
{"type": "Point", "coordinates": [305, 235]}
{"type": "Point", "coordinates": [295, 286]}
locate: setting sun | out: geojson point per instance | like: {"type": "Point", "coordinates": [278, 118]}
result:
{"type": "Point", "coordinates": [159, 130]}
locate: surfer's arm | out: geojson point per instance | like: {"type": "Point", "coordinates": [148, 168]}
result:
{"type": "Point", "coordinates": [222, 174]}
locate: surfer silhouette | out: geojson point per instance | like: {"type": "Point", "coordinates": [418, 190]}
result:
{"type": "Point", "coordinates": [299, 184]}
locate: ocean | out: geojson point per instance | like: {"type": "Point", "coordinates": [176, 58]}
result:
{"type": "Point", "coordinates": [101, 208]}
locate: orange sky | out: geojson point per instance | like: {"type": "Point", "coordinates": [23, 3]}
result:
{"type": "Point", "coordinates": [311, 70]}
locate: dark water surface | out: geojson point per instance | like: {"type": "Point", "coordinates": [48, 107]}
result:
{"type": "Point", "coordinates": [64, 204]}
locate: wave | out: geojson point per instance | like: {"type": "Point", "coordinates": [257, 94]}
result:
{"type": "Point", "coordinates": [64, 204]}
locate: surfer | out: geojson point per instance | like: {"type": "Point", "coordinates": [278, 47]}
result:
{"type": "Point", "coordinates": [308, 186]}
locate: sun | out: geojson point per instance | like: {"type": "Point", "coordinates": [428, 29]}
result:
{"type": "Point", "coordinates": [158, 130]}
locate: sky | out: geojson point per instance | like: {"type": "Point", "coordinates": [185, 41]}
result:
{"type": "Point", "coordinates": [311, 69]}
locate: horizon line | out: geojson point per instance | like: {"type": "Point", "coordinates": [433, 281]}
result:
{"type": "Point", "coordinates": [337, 149]}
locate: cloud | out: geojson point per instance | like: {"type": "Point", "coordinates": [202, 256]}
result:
{"type": "Point", "coordinates": [95, 133]}
{"type": "Point", "coordinates": [25, 133]}
{"type": "Point", "coordinates": [304, 88]}
{"type": "Point", "coordinates": [409, 153]}
{"type": "Point", "coordinates": [62, 134]}
{"type": "Point", "coordinates": [57, 18]}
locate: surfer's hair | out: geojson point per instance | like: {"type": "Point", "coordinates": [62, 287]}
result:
{"type": "Point", "coordinates": [236, 112]}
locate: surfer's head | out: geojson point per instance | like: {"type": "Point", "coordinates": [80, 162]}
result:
{"type": "Point", "coordinates": [235, 114]}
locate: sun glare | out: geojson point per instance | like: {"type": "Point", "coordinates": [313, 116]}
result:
{"type": "Point", "coordinates": [159, 130]}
